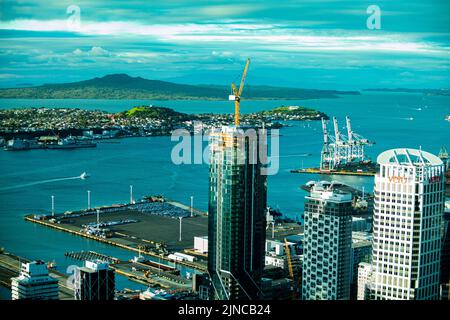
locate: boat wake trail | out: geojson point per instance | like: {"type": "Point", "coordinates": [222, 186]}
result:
{"type": "Point", "coordinates": [35, 183]}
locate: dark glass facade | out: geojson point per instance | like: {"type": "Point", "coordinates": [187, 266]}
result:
{"type": "Point", "coordinates": [237, 203]}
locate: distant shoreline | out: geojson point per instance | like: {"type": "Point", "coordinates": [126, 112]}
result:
{"type": "Point", "coordinates": [123, 86]}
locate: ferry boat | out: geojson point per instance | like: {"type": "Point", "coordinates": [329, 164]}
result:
{"type": "Point", "coordinates": [65, 143]}
{"type": "Point", "coordinates": [447, 118]}
{"type": "Point", "coordinates": [155, 294]}
{"type": "Point", "coordinates": [21, 144]}
{"type": "Point", "coordinates": [84, 175]}
{"type": "Point", "coordinates": [71, 143]}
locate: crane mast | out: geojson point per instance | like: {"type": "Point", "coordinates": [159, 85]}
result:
{"type": "Point", "coordinates": [325, 132]}
{"type": "Point", "coordinates": [296, 281]}
{"type": "Point", "coordinates": [349, 130]}
{"type": "Point", "coordinates": [337, 134]}
{"type": "Point", "coordinates": [238, 93]}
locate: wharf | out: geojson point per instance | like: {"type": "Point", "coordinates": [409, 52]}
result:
{"type": "Point", "coordinates": [149, 275]}
{"type": "Point", "coordinates": [335, 172]}
{"type": "Point", "coordinates": [155, 235]}
{"type": "Point", "coordinates": [10, 267]}
{"type": "Point", "coordinates": [91, 255]}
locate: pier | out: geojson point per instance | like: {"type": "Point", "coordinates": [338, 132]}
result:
{"type": "Point", "coordinates": [155, 235]}
{"type": "Point", "coordinates": [335, 172]}
{"type": "Point", "coordinates": [91, 255]}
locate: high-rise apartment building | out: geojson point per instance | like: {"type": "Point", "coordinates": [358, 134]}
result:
{"type": "Point", "coordinates": [409, 204]}
{"type": "Point", "coordinates": [237, 208]}
{"type": "Point", "coordinates": [94, 281]}
{"type": "Point", "coordinates": [327, 244]}
{"type": "Point", "coordinates": [364, 279]}
{"type": "Point", "coordinates": [34, 283]}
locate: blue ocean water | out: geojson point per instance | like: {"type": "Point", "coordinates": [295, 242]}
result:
{"type": "Point", "coordinates": [390, 119]}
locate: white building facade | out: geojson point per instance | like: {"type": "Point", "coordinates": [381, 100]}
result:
{"type": "Point", "coordinates": [364, 280]}
{"type": "Point", "coordinates": [409, 204]}
{"type": "Point", "coordinates": [34, 283]}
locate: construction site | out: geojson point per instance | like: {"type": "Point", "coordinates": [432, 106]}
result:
{"type": "Point", "coordinates": [343, 154]}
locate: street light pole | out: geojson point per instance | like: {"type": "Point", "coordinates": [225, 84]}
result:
{"type": "Point", "coordinates": [53, 206]}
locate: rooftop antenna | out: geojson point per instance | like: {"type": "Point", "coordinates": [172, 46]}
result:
{"type": "Point", "coordinates": [53, 206]}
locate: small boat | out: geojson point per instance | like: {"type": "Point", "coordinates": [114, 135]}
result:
{"type": "Point", "coordinates": [83, 176]}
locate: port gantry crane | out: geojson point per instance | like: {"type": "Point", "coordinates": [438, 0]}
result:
{"type": "Point", "coordinates": [340, 150]}
{"type": "Point", "coordinates": [236, 96]}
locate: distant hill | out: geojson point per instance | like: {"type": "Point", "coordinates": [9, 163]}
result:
{"type": "Point", "coordinates": [153, 112]}
{"type": "Point", "coordinates": [122, 86]}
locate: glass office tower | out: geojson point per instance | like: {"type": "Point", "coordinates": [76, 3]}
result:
{"type": "Point", "coordinates": [237, 204]}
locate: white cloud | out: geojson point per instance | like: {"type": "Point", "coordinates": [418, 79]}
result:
{"type": "Point", "coordinates": [226, 10]}
{"type": "Point", "coordinates": [94, 51]}
{"type": "Point", "coordinates": [273, 44]}
{"type": "Point", "coordinates": [273, 37]}
{"type": "Point", "coordinates": [98, 51]}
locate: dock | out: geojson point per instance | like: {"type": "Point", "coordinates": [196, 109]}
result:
{"type": "Point", "coordinates": [335, 172]}
{"type": "Point", "coordinates": [91, 255]}
{"type": "Point", "coordinates": [149, 275]}
{"type": "Point", "coordinates": [155, 235]}
{"type": "Point", "coordinates": [10, 267]}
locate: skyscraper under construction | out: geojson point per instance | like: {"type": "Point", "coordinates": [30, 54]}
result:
{"type": "Point", "coordinates": [237, 203]}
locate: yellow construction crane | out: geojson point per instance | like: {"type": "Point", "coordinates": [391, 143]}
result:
{"type": "Point", "coordinates": [236, 96]}
{"type": "Point", "coordinates": [296, 282]}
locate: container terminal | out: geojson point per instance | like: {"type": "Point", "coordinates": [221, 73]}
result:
{"type": "Point", "coordinates": [343, 155]}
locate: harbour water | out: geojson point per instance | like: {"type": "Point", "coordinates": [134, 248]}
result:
{"type": "Point", "coordinates": [389, 119]}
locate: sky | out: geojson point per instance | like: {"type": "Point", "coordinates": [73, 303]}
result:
{"type": "Point", "coordinates": [319, 44]}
